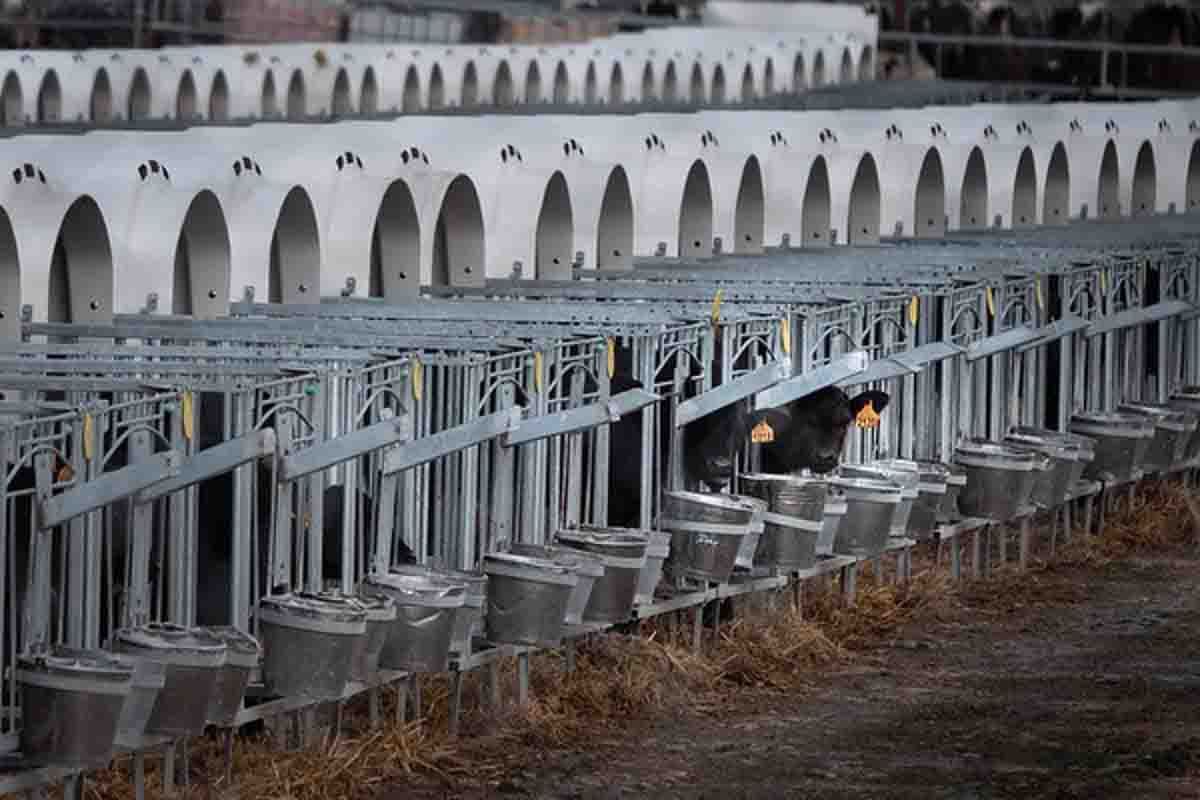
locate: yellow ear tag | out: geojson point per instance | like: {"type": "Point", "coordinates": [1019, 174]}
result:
{"type": "Point", "coordinates": [763, 433]}
{"type": "Point", "coordinates": [867, 418]}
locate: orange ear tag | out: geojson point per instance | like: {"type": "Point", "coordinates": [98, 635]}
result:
{"type": "Point", "coordinates": [867, 418]}
{"type": "Point", "coordinates": [762, 433]}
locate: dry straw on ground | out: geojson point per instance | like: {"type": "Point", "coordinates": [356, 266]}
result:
{"type": "Point", "coordinates": [620, 680]}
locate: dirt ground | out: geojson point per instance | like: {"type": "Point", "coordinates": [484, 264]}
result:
{"type": "Point", "coordinates": [1092, 691]}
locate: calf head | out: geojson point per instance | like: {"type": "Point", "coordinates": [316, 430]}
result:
{"type": "Point", "coordinates": [817, 424]}
{"type": "Point", "coordinates": [712, 442]}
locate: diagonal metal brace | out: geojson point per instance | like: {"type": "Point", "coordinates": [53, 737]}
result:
{"type": "Point", "coordinates": [107, 489]}
{"type": "Point", "coordinates": [579, 419]}
{"type": "Point", "coordinates": [432, 447]}
{"type": "Point", "coordinates": [732, 392]}
{"type": "Point", "coordinates": [813, 380]}
{"type": "Point", "coordinates": [343, 448]}
{"type": "Point", "coordinates": [213, 461]}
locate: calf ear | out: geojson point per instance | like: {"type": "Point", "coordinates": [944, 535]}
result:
{"type": "Point", "coordinates": [765, 425]}
{"type": "Point", "coordinates": [878, 401]}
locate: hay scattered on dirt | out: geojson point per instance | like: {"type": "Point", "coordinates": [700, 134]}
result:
{"type": "Point", "coordinates": [619, 681]}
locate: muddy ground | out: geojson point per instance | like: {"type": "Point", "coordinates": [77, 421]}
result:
{"type": "Point", "coordinates": [1090, 691]}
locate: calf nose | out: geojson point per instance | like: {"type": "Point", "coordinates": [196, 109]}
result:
{"type": "Point", "coordinates": [718, 472]}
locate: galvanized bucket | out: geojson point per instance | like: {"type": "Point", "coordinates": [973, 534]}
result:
{"type": "Point", "coordinates": [588, 569]}
{"type": "Point", "coordinates": [999, 478]}
{"type": "Point", "coordinates": [658, 550]}
{"type": "Point", "coordinates": [242, 656]}
{"type": "Point", "coordinates": [309, 642]}
{"type": "Point", "coordinates": [1188, 399]}
{"type": "Point", "coordinates": [623, 551]}
{"type": "Point", "coordinates": [1121, 443]}
{"type": "Point", "coordinates": [193, 659]}
{"type": "Point", "coordinates": [72, 702]}
{"type": "Point", "coordinates": [426, 609]}
{"type": "Point", "coordinates": [527, 599]}
{"type": "Point", "coordinates": [1173, 429]}
{"type": "Point", "coordinates": [706, 533]}
{"type": "Point", "coordinates": [468, 620]}
{"type": "Point", "coordinates": [870, 509]}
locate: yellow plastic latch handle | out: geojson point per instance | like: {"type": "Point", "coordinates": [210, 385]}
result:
{"type": "Point", "coordinates": [991, 302]}
{"type": "Point", "coordinates": [716, 306]}
{"type": "Point", "coordinates": [1037, 293]}
{"type": "Point", "coordinates": [612, 357]}
{"type": "Point", "coordinates": [914, 306]}
{"type": "Point", "coordinates": [417, 379]}
{"type": "Point", "coordinates": [785, 335]}
{"type": "Point", "coordinates": [537, 369]}
{"type": "Point", "coordinates": [89, 436]}
{"type": "Point", "coordinates": [189, 420]}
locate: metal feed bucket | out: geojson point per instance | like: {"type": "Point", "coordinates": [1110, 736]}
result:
{"type": "Point", "coordinates": [71, 702]}
{"type": "Point", "coordinates": [749, 546]}
{"type": "Point", "coordinates": [468, 620]}
{"type": "Point", "coordinates": [1173, 429]}
{"type": "Point", "coordinates": [381, 613]}
{"type": "Point", "coordinates": [956, 479]}
{"type": "Point", "coordinates": [706, 533]}
{"type": "Point", "coordinates": [1068, 454]}
{"type": "Point", "coordinates": [588, 569]}
{"type": "Point", "coordinates": [832, 515]}
{"type": "Point", "coordinates": [193, 659]}
{"type": "Point", "coordinates": [870, 509]}
{"type": "Point", "coordinates": [931, 488]}
{"type": "Point", "coordinates": [902, 473]}
{"type": "Point", "coordinates": [527, 599]}
{"type": "Point", "coordinates": [309, 641]}
{"type": "Point", "coordinates": [242, 656]}
{"type": "Point", "coordinates": [623, 551]}
{"type": "Point", "coordinates": [793, 528]}
{"type": "Point", "coordinates": [1121, 443]}
{"type": "Point", "coordinates": [801, 496]}
{"type": "Point", "coordinates": [658, 549]}
{"type": "Point", "coordinates": [788, 543]}
{"type": "Point", "coordinates": [999, 478]}
{"type": "Point", "coordinates": [426, 609]}
{"type": "Point", "coordinates": [1188, 399]}
{"type": "Point", "coordinates": [149, 677]}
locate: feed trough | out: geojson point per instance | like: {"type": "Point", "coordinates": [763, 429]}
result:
{"type": "Point", "coordinates": [706, 533]}
{"type": "Point", "coordinates": [381, 613]}
{"type": "Point", "coordinates": [72, 703]}
{"type": "Point", "coordinates": [623, 551]}
{"type": "Point", "coordinates": [588, 569]}
{"type": "Point", "coordinates": [658, 549]}
{"type": "Point", "coordinates": [1173, 429]}
{"type": "Point", "coordinates": [193, 659]}
{"type": "Point", "coordinates": [1068, 454]}
{"type": "Point", "coordinates": [745, 556]}
{"type": "Point", "coordinates": [527, 599]}
{"type": "Point", "coordinates": [427, 607]}
{"type": "Point", "coordinates": [870, 510]}
{"type": "Point", "coordinates": [468, 620]}
{"type": "Point", "coordinates": [242, 656]}
{"type": "Point", "coordinates": [309, 642]}
{"type": "Point", "coordinates": [1121, 442]}
{"type": "Point", "coordinates": [999, 478]}
{"type": "Point", "coordinates": [1188, 399]}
